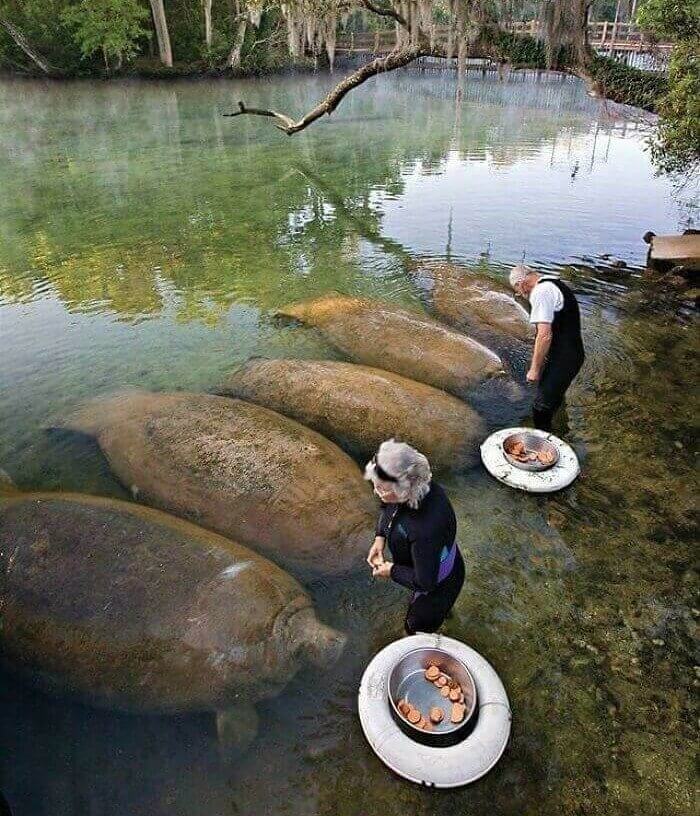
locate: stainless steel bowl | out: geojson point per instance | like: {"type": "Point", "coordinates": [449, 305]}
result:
{"type": "Point", "coordinates": [533, 443]}
{"type": "Point", "coordinates": [407, 680]}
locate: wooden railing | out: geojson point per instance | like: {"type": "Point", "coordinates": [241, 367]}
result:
{"type": "Point", "coordinates": [602, 36]}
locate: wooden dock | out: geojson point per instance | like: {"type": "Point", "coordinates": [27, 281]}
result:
{"type": "Point", "coordinates": [668, 251]}
{"type": "Point", "coordinates": [605, 37]}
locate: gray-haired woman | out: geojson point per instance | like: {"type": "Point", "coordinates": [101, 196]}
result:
{"type": "Point", "coordinates": [418, 524]}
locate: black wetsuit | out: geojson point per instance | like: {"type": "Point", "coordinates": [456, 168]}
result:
{"type": "Point", "coordinates": [564, 359]}
{"type": "Point", "coordinates": [422, 544]}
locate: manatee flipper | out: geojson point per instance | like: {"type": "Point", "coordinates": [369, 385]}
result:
{"type": "Point", "coordinates": [236, 728]}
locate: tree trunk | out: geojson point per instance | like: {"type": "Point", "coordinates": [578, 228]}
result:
{"type": "Point", "coordinates": [22, 42]}
{"type": "Point", "coordinates": [234, 57]}
{"type": "Point", "coordinates": [207, 22]}
{"type": "Point", "coordinates": [161, 24]}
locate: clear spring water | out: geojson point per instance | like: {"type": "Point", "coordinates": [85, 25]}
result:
{"type": "Point", "coordinates": [144, 240]}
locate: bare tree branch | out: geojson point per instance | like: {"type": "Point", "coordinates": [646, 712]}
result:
{"type": "Point", "coordinates": [384, 11]}
{"type": "Point", "coordinates": [287, 122]}
{"type": "Point", "coordinates": [396, 59]}
{"type": "Point", "coordinates": [380, 11]}
{"type": "Point", "coordinates": [23, 43]}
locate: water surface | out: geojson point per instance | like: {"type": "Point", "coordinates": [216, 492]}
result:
{"type": "Point", "coordinates": [145, 241]}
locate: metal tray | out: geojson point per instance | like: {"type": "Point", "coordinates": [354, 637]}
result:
{"type": "Point", "coordinates": [533, 443]}
{"type": "Point", "coordinates": [407, 680]}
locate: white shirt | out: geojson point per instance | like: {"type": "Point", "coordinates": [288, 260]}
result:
{"type": "Point", "coordinates": [545, 300]}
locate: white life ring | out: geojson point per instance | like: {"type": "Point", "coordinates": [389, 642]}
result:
{"type": "Point", "coordinates": [555, 478]}
{"type": "Point", "coordinates": [443, 767]}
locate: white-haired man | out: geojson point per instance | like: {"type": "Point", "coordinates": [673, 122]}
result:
{"type": "Point", "coordinates": [558, 354]}
{"type": "Point", "coordinates": [418, 525]}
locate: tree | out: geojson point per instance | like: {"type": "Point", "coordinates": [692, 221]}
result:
{"type": "Point", "coordinates": [162, 35]}
{"type": "Point", "coordinates": [110, 26]}
{"type": "Point", "coordinates": [23, 43]}
{"type": "Point", "coordinates": [676, 145]}
{"type": "Point", "coordinates": [312, 24]}
{"type": "Point", "coordinates": [206, 5]}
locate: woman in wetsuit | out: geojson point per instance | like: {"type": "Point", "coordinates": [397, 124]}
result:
{"type": "Point", "coordinates": [418, 524]}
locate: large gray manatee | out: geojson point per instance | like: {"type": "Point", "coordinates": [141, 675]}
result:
{"type": "Point", "coordinates": [359, 407]}
{"type": "Point", "coordinates": [466, 300]}
{"type": "Point", "coordinates": [385, 336]}
{"type": "Point", "coordinates": [129, 608]}
{"type": "Point", "coordinates": [241, 470]}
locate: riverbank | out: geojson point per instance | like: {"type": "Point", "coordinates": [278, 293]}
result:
{"type": "Point", "coordinates": [607, 77]}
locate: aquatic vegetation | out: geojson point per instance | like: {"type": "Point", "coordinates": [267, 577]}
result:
{"type": "Point", "coordinates": [583, 601]}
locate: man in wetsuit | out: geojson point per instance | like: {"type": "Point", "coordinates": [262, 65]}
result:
{"type": "Point", "coordinates": [418, 525]}
{"type": "Point", "coordinates": [558, 354]}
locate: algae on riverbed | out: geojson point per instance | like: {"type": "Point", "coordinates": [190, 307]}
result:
{"type": "Point", "coordinates": [143, 243]}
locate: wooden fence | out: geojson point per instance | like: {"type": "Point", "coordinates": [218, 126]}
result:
{"type": "Point", "coordinates": [604, 37]}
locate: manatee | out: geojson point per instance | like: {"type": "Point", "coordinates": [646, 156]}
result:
{"type": "Point", "coordinates": [388, 337]}
{"type": "Point", "coordinates": [359, 407]}
{"type": "Point", "coordinates": [241, 470]}
{"type": "Point", "coordinates": [466, 300]}
{"type": "Point", "coordinates": [127, 607]}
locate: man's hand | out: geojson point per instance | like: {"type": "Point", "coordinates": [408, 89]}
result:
{"type": "Point", "coordinates": [382, 570]}
{"type": "Point", "coordinates": [375, 556]}
{"type": "Point", "coordinates": [533, 374]}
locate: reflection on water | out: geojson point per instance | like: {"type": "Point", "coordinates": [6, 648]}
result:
{"type": "Point", "coordinates": [144, 240]}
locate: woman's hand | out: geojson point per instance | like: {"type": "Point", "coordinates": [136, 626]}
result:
{"type": "Point", "coordinates": [382, 570]}
{"type": "Point", "coordinates": [375, 556]}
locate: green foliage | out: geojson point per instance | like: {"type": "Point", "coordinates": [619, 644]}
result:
{"type": "Point", "coordinates": [676, 146]}
{"type": "Point", "coordinates": [113, 27]}
{"type": "Point", "coordinates": [520, 50]}
{"type": "Point", "coordinates": [631, 86]}
{"type": "Point", "coordinates": [186, 26]}
{"type": "Point", "coordinates": [673, 20]}
{"type": "Point", "coordinates": [42, 23]}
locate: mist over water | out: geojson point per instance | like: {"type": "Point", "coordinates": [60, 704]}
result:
{"type": "Point", "coordinates": [145, 241]}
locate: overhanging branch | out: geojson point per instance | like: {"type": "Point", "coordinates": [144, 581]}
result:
{"type": "Point", "coordinates": [384, 11]}
{"type": "Point", "coordinates": [396, 59]}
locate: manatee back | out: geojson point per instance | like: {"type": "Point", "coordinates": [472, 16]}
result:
{"type": "Point", "coordinates": [247, 472]}
{"type": "Point", "coordinates": [359, 407]}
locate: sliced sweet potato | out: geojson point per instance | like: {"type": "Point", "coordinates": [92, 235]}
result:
{"type": "Point", "coordinates": [432, 673]}
{"type": "Point", "coordinates": [436, 714]}
{"type": "Point", "coordinates": [458, 712]}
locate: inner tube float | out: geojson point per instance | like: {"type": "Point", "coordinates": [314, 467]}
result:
{"type": "Point", "coordinates": [440, 767]}
{"type": "Point", "coordinates": [559, 476]}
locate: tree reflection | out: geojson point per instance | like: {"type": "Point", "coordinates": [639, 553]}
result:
{"type": "Point", "coordinates": [113, 190]}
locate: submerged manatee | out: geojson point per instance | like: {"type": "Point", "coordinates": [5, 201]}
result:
{"type": "Point", "coordinates": [395, 339]}
{"type": "Point", "coordinates": [465, 300]}
{"type": "Point", "coordinates": [359, 407]}
{"type": "Point", "coordinates": [242, 470]}
{"type": "Point", "coordinates": [127, 607]}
